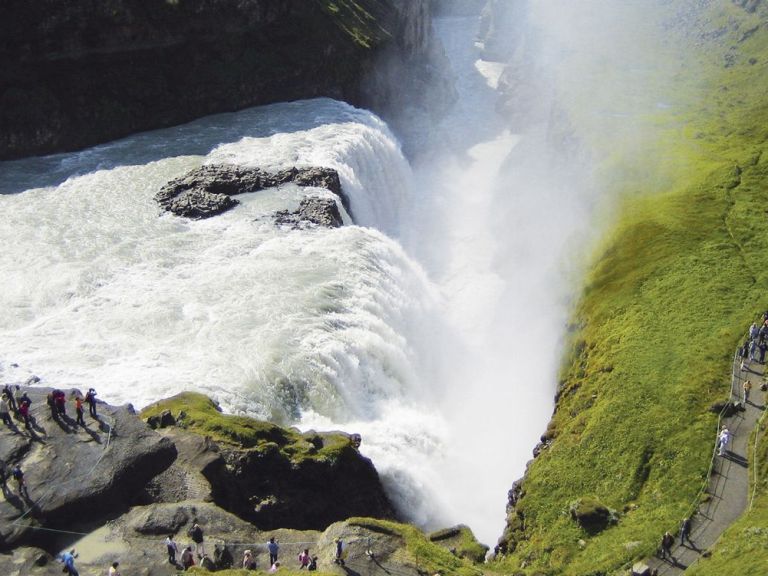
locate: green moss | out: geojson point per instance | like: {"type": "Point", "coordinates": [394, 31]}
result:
{"type": "Point", "coordinates": [202, 416]}
{"type": "Point", "coordinates": [362, 20]}
{"type": "Point", "coordinates": [421, 552]}
{"type": "Point", "coordinates": [669, 293]}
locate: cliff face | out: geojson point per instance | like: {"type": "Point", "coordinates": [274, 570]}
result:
{"type": "Point", "coordinates": [78, 73]}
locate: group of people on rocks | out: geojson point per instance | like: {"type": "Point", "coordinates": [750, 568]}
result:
{"type": "Point", "coordinates": [195, 553]}
{"type": "Point", "coordinates": [18, 404]}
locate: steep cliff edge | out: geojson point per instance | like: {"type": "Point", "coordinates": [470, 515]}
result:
{"type": "Point", "coordinates": [78, 73]}
{"type": "Point", "coordinates": [676, 134]}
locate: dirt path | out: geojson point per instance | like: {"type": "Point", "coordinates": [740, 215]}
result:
{"type": "Point", "coordinates": [729, 484]}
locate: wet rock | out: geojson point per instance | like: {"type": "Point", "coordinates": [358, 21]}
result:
{"type": "Point", "coordinates": [313, 211]}
{"type": "Point", "coordinates": [76, 473]}
{"type": "Point", "coordinates": [208, 190]}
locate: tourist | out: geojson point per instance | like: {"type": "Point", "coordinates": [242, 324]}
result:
{"type": "Point", "coordinates": [172, 548]}
{"type": "Point", "coordinates": [754, 331]}
{"type": "Point", "coordinates": [60, 399]}
{"type": "Point", "coordinates": [79, 410]}
{"type": "Point", "coordinates": [685, 531]}
{"type": "Point", "coordinates": [747, 386]}
{"type": "Point", "coordinates": [249, 562]}
{"type": "Point", "coordinates": [723, 440]}
{"type": "Point", "coordinates": [187, 558]}
{"type": "Point", "coordinates": [18, 475]}
{"type": "Point", "coordinates": [273, 548]}
{"type": "Point", "coordinates": [113, 569]}
{"type": "Point", "coordinates": [312, 564]}
{"type": "Point", "coordinates": [196, 533]}
{"type": "Point", "coordinates": [11, 400]}
{"type": "Point", "coordinates": [339, 559]}
{"type": "Point", "coordinates": [90, 399]}
{"type": "Point", "coordinates": [24, 412]}
{"type": "Point", "coordinates": [5, 411]}
{"type": "Point", "coordinates": [68, 558]}
{"type": "Point", "coordinates": [304, 559]}
{"type": "Point", "coordinates": [50, 400]}
{"type": "Point", "coordinates": [666, 545]}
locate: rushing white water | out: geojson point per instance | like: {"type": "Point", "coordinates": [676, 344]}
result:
{"type": "Point", "coordinates": [430, 326]}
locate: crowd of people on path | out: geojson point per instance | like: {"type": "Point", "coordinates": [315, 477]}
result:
{"type": "Point", "coordinates": [185, 557]}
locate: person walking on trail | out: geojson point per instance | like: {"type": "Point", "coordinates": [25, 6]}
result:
{"type": "Point", "coordinates": [5, 411]}
{"type": "Point", "coordinates": [747, 386]}
{"type": "Point", "coordinates": [172, 548]}
{"type": "Point", "coordinates": [685, 531]}
{"type": "Point", "coordinates": [304, 559]}
{"type": "Point", "coordinates": [90, 399]}
{"type": "Point", "coordinates": [723, 440]}
{"type": "Point", "coordinates": [68, 558]}
{"type": "Point", "coordinates": [754, 331]}
{"type": "Point", "coordinates": [113, 571]}
{"type": "Point", "coordinates": [187, 558]}
{"type": "Point", "coordinates": [273, 547]}
{"type": "Point", "coordinates": [196, 533]}
{"type": "Point", "coordinates": [666, 545]}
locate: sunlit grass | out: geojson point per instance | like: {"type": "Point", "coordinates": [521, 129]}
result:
{"type": "Point", "coordinates": [670, 291]}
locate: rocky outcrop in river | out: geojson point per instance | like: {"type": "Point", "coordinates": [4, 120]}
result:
{"type": "Point", "coordinates": [208, 191]}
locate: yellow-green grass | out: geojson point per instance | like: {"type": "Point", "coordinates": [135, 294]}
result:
{"type": "Point", "coordinates": [669, 293]}
{"type": "Point", "coordinates": [202, 416]}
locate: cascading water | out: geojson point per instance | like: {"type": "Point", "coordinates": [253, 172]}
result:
{"type": "Point", "coordinates": [430, 327]}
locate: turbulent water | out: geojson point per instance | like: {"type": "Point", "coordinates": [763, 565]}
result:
{"type": "Point", "coordinates": [430, 326]}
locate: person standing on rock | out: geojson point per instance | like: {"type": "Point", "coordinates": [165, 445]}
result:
{"type": "Point", "coordinates": [685, 531]}
{"type": "Point", "coordinates": [339, 559]}
{"type": "Point", "coordinates": [196, 533]}
{"type": "Point", "coordinates": [79, 410]}
{"type": "Point", "coordinates": [90, 399]}
{"type": "Point", "coordinates": [11, 400]}
{"type": "Point", "coordinates": [666, 545]}
{"type": "Point", "coordinates": [24, 412]}
{"type": "Point", "coordinates": [5, 412]}
{"type": "Point", "coordinates": [273, 548]}
{"type": "Point", "coordinates": [68, 558]}
{"type": "Point", "coordinates": [172, 548]}
{"type": "Point", "coordinates": [18, 475]}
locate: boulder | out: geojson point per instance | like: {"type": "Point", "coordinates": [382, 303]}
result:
{"type": "Point", "coordinates": [208, 190]}
{"type": "Point", "coordinates": [73, 473]}
{"type": "Point", "coordinates": [461, 541]}
{"type": "Point", "coordinates": [312, 210]}
{"type": "Point", "coordinates": [591, 514]}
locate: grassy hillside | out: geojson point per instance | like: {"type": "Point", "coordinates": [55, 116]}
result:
{"type": "Point", "coordinates": [670, 291]}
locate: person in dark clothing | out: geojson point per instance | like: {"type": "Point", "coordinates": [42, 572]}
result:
{"type": "Point", "coordinates": [339, 559]}
{"type": "Point", "coordinates": [51, 401]}
{"type": "Point", "coordinates": [11, 400]}
{"type": "Point", "coordinates": [685, 531]}
{"type": "Point", "coordinates": [196, 533]}
{"type": "Point", "coordinates": [18, 475]}
{"type": "Point", "coordinates": [172, 548]}
{"type": "Point", "coordinates": [273, 548]}
{"type": "Point", "coordinates": [666, 545]}
{"type": "Point", "coordinates": [90, 399]}
{"type": "Point", "coordinates": [60, 399]}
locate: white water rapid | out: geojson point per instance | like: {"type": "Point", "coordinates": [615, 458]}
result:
{"type": "Point", "coordinates": [431, 326]}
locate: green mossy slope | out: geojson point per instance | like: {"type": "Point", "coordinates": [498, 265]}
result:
{"type": "Point", "coordinates": [670, 292]}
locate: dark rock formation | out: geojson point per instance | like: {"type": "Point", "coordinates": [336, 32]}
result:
{"type": "Point", "coordinates": [312, 210]}
{"type": "Point", "coordinates": [208, 190]}
{"type": "Point", "coordinates": [270, 490]}
{"type": "Point", "coordinates": [75, 473]}
{"type": "Point", "coordinates": [73, 74]}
